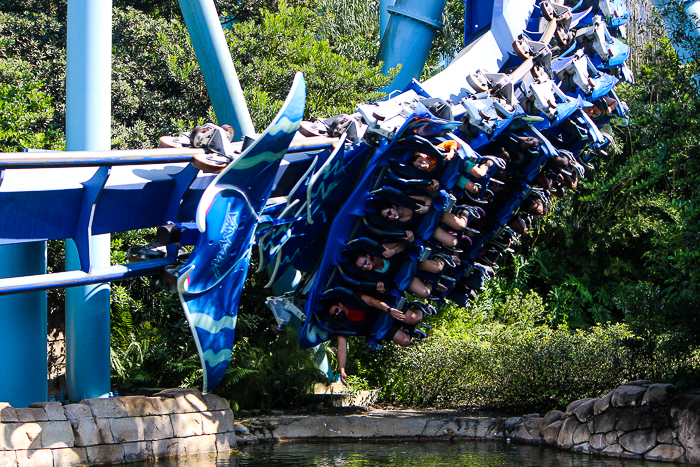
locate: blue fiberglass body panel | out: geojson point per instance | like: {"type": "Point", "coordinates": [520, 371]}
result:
{"type": "Point", "coordinates": [211, 281]}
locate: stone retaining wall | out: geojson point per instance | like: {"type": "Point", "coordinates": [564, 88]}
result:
{"type": "Point", "coordinates": [637, 420]}
{"type": "Point", "coordinates": [374, 424]}
{"type": "Point", "coordinates": [175, 422]}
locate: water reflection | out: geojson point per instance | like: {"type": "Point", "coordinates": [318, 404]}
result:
{"type": "Point", "coordinates": [423, 453]}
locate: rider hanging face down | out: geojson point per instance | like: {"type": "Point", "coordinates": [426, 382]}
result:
{"type": "Point", "coordinates": [472, 170]}
{"type": "Point", "coordinates": [425, 221]}
{"type": "Point", "coordinates": [399, 272]}
{"type": "Point", "coordinates": [357, 319]}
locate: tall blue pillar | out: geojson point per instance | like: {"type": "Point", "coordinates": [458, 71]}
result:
{"type": "Point", "coordinates": [23, 332]}
{"type": "Point", "coordinates": [683, 21]}
{"type": "Point", "coordinates": [408, 38]}
{"type": "Point", "coordinates": [384, 16]}
{"type": "Point", "coordinates": [215, 60]}
{"type": "Point", "coordinates": [88, 128]}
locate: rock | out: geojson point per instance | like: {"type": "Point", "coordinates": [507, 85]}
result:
{"type": "Point", "coordinates": [138, 406]}
{"type": "Point", "coordinates": [186, 424]}
{"type": "Point", "coordinates": [105, 454]}
{"type": "Point", "coordinates": [613, 450]}
{"type": "Point", "coordinates": [20, 436]}
{"type": "Point", "coordinates": [57, 434]}
{"type": "Point", "coordinates": [139, 451]}
{"type": "Point", "coordinates": [531, 426]}
{"type": "Point", "coordinates": [512, 423]}
{"type": "Point", "coordinates": [584, 411]}
{"type": "Point", "coordinates": [54, 410]}
{"type": "Point", "coordinates": [551, 417]}
{"type": "Point", "coordinates": [106, 408]}
{"type": "Point", "coordinates": [566, 434]}
{"type": "Point", "coordinates": [8, 413]}
{"type": "Point", "coordinates": [240, 430]}
{"type": "Point", "coordinates": [195, 445]}
{"type": "Point", "coordinates": [69, 457]}
{"type": "Point", "coordinates": [188, 400]}
{"type": "Point", "coordinates": [218, 421]}
{"type": "Point", "coordinates": [104, 431]}
{"type": "Point", "coordinates": [641, 383]}
{"type": "Point", "coordinates": [665, 452]}
{"type": "Point", "coordinates": [581, 435]}
{"type": "Point", "coordinates": [605, 422]}
{"type": "Point", "coordinates": [76, 411]}
{"type": "Point", "coordinates": [164, 448]}
{"type": "Point", "coordinates": [225, 442]}
{"type": "Point", "coordinates": [521, 433]}
{"type": "Point", "coordinates": [215, 402]}
{"type": "Point", "coordinates": [32, 414]}
{"type": "Point", "coordinates": [551, 432]}
{"type": "Point", "coordinates": [638, 441]}
{"type": "Point", "coordinates": [665, 436]}
{"type": "Point", "coordinates": [630, 455]}
{"type": "Point", "coordinates": [658, 394]}
{"type": "Point", "coordinates": [583, 447]}
{"type": "Point", "coordinates": [657, 418]}
{"type": "Point", "coordinates": [85, 431]}
{"type": "Point", "coordinates": [598, 441]}
{"type": "Point", "coordinates": [126, 429]}
{"type": "Point", "coordinates": [628, 421]}
{"type": "Point", "coordinates": [34, 458]}
{"type": "Point", "coordinates": [612, 437]}
{"type": "Point", "coordinates": [574, 404]}
{"type": "Point", "coordinates": [157, 427]}
{"type": "Point", "coordinates": [686, 408]}
{"type": "Point", "coordinates": [602, 404]}
{"type": "Point", "coordinates": [9, 459]}
{"type": "Point", "coordinates": [628, 396]}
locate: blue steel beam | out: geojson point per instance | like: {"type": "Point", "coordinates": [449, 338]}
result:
{"type": "Point", "coordinates": [681, 18]}
{"type": "Point", "coordinates": [134, 197]}
{"type": "Point", "coordinates": [384, 16]}
{"type": "Point", "coordinates": [408, 38]}
{"type": "Point", "coordinates": [214, 59]}
{"type": "Point", "coordinates": [33, 281]}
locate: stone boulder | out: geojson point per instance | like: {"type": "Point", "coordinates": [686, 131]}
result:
{"type": "Point", "coordinates": [551, 417]}
{"type": "Point", "coordinates": [658, 394]}
{"type": "Point", "coordinates": [628, 396]}
{"type": "Point", "coordinates": [638, 441]}
{"type": "Point", "coordinates": [685, 410]}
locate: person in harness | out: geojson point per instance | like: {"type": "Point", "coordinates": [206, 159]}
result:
{"type": "Point", "coordinates": [362, 315]}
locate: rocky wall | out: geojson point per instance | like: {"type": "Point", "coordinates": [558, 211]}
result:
{"type": "Point", "coordinates": [638, 420]}
{"type": "Point", "coordinates": [175, 422]}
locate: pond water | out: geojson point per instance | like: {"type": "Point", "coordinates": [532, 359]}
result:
{"type": "Point", "coordinates": [407, 453]}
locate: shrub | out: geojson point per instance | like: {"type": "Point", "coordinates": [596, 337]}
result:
{"type": "Point", "coordinates": [504, 355]}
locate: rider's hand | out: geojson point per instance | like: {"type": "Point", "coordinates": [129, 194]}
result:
{"type": "Point", "coordinates": [422, 209]}
{"type": "Point", "coordinates": [398, 314]}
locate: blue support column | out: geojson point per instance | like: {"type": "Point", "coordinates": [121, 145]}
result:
{"type": "Point", "coordinates": [408, 38]}
{"type": "Point", "coordinates": [23, 331]}
{"type": "Point", "coordinates": [88, 127]}
{"type": "Point", "coordinates": [214, 59]}
{"type": "Point", "coordinates": [384, 16]}
{"type": "Point", "coordinates": [683, 23]}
